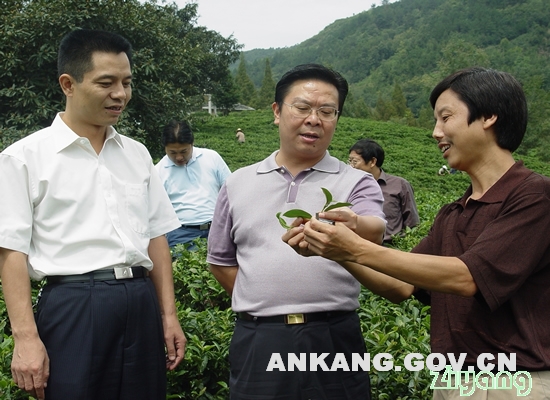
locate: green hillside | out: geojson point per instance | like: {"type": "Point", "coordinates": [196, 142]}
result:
{"type": "Point", "coordinates": [415, 43]}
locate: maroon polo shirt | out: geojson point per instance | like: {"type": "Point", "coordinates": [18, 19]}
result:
{"type": "Point", "coordinates": [399, 205]}
{"type": "Point", "coordinates": [504, 239]}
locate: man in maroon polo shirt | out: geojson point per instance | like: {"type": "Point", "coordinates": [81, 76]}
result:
{"type": "Point", "coordinates": [485, 265]}
{"type": "Point", "coordinates": [399, 205]}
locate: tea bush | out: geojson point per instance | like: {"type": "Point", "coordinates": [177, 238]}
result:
{"type": "Point", "coordinates": [204, 308]}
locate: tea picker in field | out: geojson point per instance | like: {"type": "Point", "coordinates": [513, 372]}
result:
{"type": "Point", "coordinates": [86, 211]}
{"type": "Point", "coordinates": [444, 170]}
{"type": "Point", "coordinates": [286, 303]}
{"type": "Point", "coordinates": [192, 177]}
{"type": "Point", "coordinates": [240, 136]}
{"type": "Point", "coordinates": [485, 265]}
{"type": "Point", "coordinates": [399, 205]}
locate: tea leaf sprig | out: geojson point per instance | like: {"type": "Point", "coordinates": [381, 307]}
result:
{"type": "Point", "coordinates": [330, 204]}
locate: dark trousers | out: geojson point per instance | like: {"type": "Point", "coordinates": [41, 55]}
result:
{"type": "Point", "coordinates": [104, 340]}
{"type": "Point", "coordinates": [253, 344]}
{"type": "Point", "coordinates": [184, 235]}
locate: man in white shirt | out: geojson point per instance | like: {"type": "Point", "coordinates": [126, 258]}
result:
{"type": "Point", "coordinates": [86, 210]}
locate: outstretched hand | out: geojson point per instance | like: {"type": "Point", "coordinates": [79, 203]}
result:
{"type": "Point", "coordinates": [336, 242]}
{"type": "Point", "coordinates": [345, 215]}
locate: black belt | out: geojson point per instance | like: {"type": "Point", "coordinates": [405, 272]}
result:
{"type": "Point", "coordinates": [291, 319]}
{"type": "Point", "coordinates": [101, 275]}
{"type": "Point", "coordinates": [202, 227]}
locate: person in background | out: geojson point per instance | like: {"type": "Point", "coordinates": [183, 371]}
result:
{"type": "Point", "coordinates": [86, 211]}
{"type": "Point", "coordinates": [286, 303]}
{"type": "Point", "coordinates": [444, 170]}
{"type": "Point", "coordinates": [240, 136]}
{"type": "Point", "coordinates": [399, 204]}
{"type": "Point", "coordinates": [485, 265]}
{"type": "Point", "coordinates": [192, 177]}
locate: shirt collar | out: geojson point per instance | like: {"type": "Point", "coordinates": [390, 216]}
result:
{"type": "Point", "coordinates": [327, 164]}
{"type": "Point", "coordinates": [383, 177]}
{"type": "Point", "coordinates": [516, 174]}
{"type": "Point", "coordinates": [65, 136]}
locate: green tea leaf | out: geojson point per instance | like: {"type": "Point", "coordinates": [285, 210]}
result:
{"type": "Point", "coordinates": [294, 213]}
{"type": "Point", "coordinates": [328, 197]}
{"type": "Point", "coordinates": [297, 213]}
{"type": "Point", "coordinates": [282, 221]}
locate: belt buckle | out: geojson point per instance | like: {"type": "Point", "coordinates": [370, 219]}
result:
{"type": "Point", "coordinates": [123, 272]}
{"type": "Point", "coordinates": [204, 227]}
{"type": "Point", "coordinates": [292, 319]}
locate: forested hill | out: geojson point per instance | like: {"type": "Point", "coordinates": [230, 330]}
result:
{"type": "Point", "coordinates": [414, 43]}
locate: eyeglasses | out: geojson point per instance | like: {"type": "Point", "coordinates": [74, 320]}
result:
{"type": "Point", "coordinates": [303, 110]}
{"type": "Point", "coordinates": [353, 161]}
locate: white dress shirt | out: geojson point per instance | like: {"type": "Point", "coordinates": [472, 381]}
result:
{"type": "Point", "coordinates": [74, 211]}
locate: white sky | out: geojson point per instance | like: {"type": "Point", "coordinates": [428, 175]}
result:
{"type": "Point", "coordinates": [261, 24]}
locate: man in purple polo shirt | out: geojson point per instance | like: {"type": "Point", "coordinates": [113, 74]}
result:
{"type": "Point", "coordinates": [286, 303]}
{"type": "Point", "coordinates": [485, 265]}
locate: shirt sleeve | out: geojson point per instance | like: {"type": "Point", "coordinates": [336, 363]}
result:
{"type": "Point", "coordinates": [366, 198]}
{"type": "Point", "coordinates": [498, 268]}
{"type": "Point", "coordinates": [221, 248]}
{"type": "Point", "coordinates": [16, 208]}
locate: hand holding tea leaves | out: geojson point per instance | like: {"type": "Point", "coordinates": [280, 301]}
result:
{"type": "Point", "coordinates": [330, 204]}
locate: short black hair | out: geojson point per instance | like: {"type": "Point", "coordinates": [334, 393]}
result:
{"type": "Point", "coordinates": [77, 47]}
{"type": "Point", "coordinates": [177, 132]}
{"type": "Point", "coordinates": [312, 71]}
{"type": "Point", "coordinates": [488, 92]}
{"type": "Point", "coordinates": [367, 149]}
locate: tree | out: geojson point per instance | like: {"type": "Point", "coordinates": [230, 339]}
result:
{"type": "Point", "coordinates": [399, 102]}
{"type": "Point", "coordinates": [426, 117]}
{"type": "Point", "coordinates": [383, 110]}
{"type": "Point", "coordinates": [175, 61]}
{"type": "Point", "coordinates": [267, 91]}
{"type": "Point", "coordinates": [458, 53]}
{"type": "Point", "coordinates": [356, 108]}
{"type": "Point", "coordinates": [245, 86]}
{"type": "Point", "coordinates": [225, 94]}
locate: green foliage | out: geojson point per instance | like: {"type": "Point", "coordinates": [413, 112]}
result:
{"type": "Point", "coordinates": [396, 329]}
{"type": "Point", "coordinates": [399, 101]}
{"type": "Point", "coordinates": [415, 43]}
{"type": "Point", "coordinates": [356, 108]}
{"type": "Point", "coordinates": [245, 86]}
{"type": "Point", "coordinates": [330, 204]}
{"type": "Point", "coordinates": [176, 62]}
{"type": "Point", "coordinates": [225, 94]}
{"type": "Point", "coordinates": [267, 90]}
{"type": "Point", "coordinates": [207, 320]}
{"type": "Point", "coordinates": [204, 308]}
